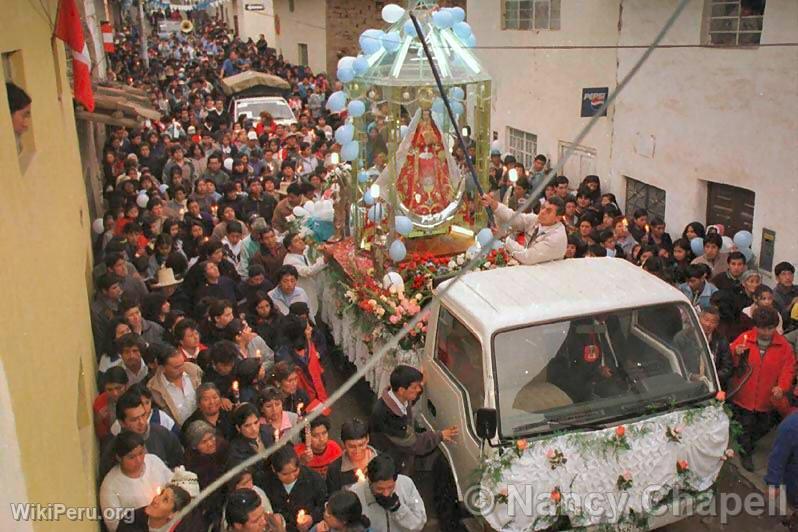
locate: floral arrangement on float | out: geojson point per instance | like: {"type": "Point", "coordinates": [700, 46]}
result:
{"type": "Point", "coordinates": [680, 453]}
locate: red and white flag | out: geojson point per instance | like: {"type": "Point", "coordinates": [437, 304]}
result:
{"type": "Point", "coordinates": [68, 28]}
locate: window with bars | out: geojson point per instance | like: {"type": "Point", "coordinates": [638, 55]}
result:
{"type": "Point", "coordinates": [641, 195]}
{"type": "Point", "coordinates": [531, 14]}
{"type": "Point", "coordinates": [522, 145]}
{"type": "Point", "coordinates": [734, 22]}
{"type": "Point", "coordinates": [731, 206]}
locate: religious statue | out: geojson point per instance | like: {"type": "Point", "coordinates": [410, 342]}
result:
{"type": "Point", "coordinates": [423, 186]}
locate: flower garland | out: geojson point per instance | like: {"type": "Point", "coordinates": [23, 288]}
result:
{"type": "Point", "coordinates": [602, 447]}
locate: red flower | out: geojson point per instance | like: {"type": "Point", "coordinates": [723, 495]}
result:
{"type": "Point", "coordinates": [555, 495]}
{"type": "Point", "coordinates": [620, 431]}
{"type": "Point", "coordinates": [682, 466]}
{"type": "Point", "coordinates": [720, 396]}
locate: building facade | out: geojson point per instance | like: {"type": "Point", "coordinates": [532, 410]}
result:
{"type": "Point", "coordinates": [706, 130]}
{"type": "Point", "coordinates": [46, 356]}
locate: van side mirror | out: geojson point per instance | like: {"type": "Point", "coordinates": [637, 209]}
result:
{"type": "Point", "coordinates": [486, 423]}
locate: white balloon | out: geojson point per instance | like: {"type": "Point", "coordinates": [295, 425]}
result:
{"type": "Point", "coordinates": [142, 200]}
{"type": "Point", "coordinates": [392, 13]}
{"type": "Point", "coordinates": [346, 62]}
{"type": "Point", "coordinates": [98, 226]}
{"type": "Point", "coordinates": [299, 212]}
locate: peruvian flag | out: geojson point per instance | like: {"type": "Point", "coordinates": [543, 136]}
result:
{"type": "Point", "coordinates": [69, 30]}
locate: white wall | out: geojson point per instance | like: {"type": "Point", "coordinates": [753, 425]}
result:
{"type": "Point", "coordinates": [306, 24]}
{"type": "Point", "coordinates": [251, 24]}
{"type": "Point", "coordinates": [722, 115]}
{"type": "Point", "coordinates": [539, 91]}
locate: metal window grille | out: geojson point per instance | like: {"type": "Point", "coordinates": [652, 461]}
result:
{"type": "Point", "coordinates": [640, 195]}
{"type": "Point", "coordinates": [735, 22]}
{"type": "Point", "coordinates": [531, 14]}
{"type": "Point", "coordinates": [523, 146]}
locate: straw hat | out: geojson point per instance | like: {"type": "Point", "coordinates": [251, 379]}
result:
{"type": "Point", "coordinates": [166, 278]}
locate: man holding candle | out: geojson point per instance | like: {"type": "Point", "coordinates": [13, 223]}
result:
{"type": "Point", "coordinates": [351, 466]}
{"type": "Point", "coordinates": [765, 366]}
{"type": "Point", "coordinates": [318, 451]}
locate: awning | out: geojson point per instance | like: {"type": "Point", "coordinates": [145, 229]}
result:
{"type": "Point", "coordinates": [120, 105]}
{"type": "Point", "coordinates": [251, 78]}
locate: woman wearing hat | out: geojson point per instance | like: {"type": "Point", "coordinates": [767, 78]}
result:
{"type": "Point", "coordinates": [206, 455]}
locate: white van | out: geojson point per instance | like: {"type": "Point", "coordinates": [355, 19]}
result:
{"type": "Point", "coordinates": [252, 107]}
{"type": "Point", "coordinates": [571, 357]}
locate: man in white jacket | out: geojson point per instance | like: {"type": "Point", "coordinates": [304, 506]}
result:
{"type": "Point", "coordinates": [390, 501]}
{"type": "Point", "coordinates": [545, 238]}
{"type": "Point", "coordinates": [307, 281]}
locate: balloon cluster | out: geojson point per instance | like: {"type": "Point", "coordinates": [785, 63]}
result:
{"type": "Point", "coordinates": [318, 217]}
{"type": "Point", "coordinates": [742, 242]}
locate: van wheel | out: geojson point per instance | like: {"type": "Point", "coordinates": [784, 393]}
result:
{"type": "Point", "coordinates": [445, 498]}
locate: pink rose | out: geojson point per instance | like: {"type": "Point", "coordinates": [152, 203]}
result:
{"type": "Point", "coordinates": [394, 319]}
{"type": "Point", "coordinates": [550, 454]}
{"type": "Point", "coordinates": [627, 475]}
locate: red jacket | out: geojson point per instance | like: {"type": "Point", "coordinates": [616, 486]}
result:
{"type": "Point", "coordinates": [775, 368]}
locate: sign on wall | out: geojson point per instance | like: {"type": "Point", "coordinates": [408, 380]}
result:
{"type": "Point", "coordinates": [767, 250]}
{"type": "Point", "coordinates": [254, 7]}
{"type": "Point", "coordinates": [592, 100]}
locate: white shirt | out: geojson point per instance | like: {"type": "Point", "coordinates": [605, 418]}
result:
{"type": "Point", "coordinates": [120, 491]}
{"type": "Point", "coordinates": [307, 278]}
{"type": "Point", "coordinates": [164, 420]}
{"type": "Point", "coordinates": [549, 243]}
{"type": "Point", "coordinates": [402, 406]}
{"type": "Point", "coordinates": [185, 399]}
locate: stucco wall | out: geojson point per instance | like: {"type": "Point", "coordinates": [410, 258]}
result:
{"type": "Point", "coordinates": [306, 24]}
{"type": "Point", "coordinates": [540, 91]}
{"type": "Point", "coordinates": [252, 23]}
{"type": "Point", "coordinates": [45, 345]}
{"type": "Point", "coordinates": [722, 115]}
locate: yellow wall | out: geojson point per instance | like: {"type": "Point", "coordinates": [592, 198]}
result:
{"type": "Point", "coordinates": [46, 350]}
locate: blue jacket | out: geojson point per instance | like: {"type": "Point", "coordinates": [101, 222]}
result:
{"type": "Point", "coordinates": [783, 460]}
{"type": "Point", "coordinates": [702, 300]}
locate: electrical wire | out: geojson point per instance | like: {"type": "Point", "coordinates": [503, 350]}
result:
{"type": "Point", "coordinates": [393, 342]}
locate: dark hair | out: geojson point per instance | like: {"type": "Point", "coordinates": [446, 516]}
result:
{"type": "Point", "coordinates": [560, 180]}
{"type": "Point", "coordinates": [713, 238]}
{"type": "Point", "coordinates": [243, 412]}
{"type": "Point", "coordinates": [559, 203]}
{"type": "Point", "coordinates": [234, 227]}
{"type": "Point", "coordinates": [698, 229]}
{"type": "Point", "coordinates": [685, 245]}
{"type": "Point", "coordinates": [284, 456]}
{"type": "Point", "coordinates": [289, 237]}
{"type": "Point", "coordinates": [106, 280]}
{"type": "Point", "coordinates": [541, 158]}
{"type": "Point", "coordinates": [655, 221]}
{"type": "Point", "coordinates": [319, 421]}
{"type": "Point", "coordinates": [163, 352]}
{"type": "Point", "coordinates": [587, 217]}
{"type": "Point", "coordinates": [735, 255]}
{"type": "Point", "coordinates": [403, 376]}
{"type": "Point", "coordinates": [281, 371]}
{"type": "Point", "coordinates": [762, 289]}
{"type": "Point", "coordinates": [354, 429]}
{"type": "Point", "coordinates": [597, 250]}
{"type": "Point", "coordinates": [217, 306]}
{"type": "Point", "coordinates": [605, 235]}
{"type": "Point", "coordinates": [129, 400]}
{"type": "Point", "coordinates": [696, 271]}
{"type": "Point", "coordinates": [612, 210]}
{"type": "Point", "coordinates": [345, 506]}
{"type": "Point", "coordinates": [224, 352]}
{"type": "Point", "coordinates": [183, 326]}
{"type": "Point", "coordinates": [128, 304]}
{"type": "Point", "coordinates": [574, 240]}
{"type": "Point", "coordinates": [240, 503]}
{"type": "Point", "coordinates": [711, 310]}
{"type": "Point", "coordinates": [783, 267]}
{"type": "Point", "coordinates": [765, 317]}
{"type": "Point", "coordinates": [382, 467]}
{"type": "Point", "coordinates": [269, 394]}
{"type": "Point", "coordinates": [293, 189]}
{"type": "Point", "coordinates": [18, 99]}
{"type": "Point", "coordinates": [259, 296]}
{"type": "Point", "coordinates": [115, 375]}
{"type": "Point", "coordinates": [113, 258]}
{"type": "Point", "coordinates": [287, 270]}
{"type": "Point", "coordinates": [180, 496]}
{"type": "Point", "coordinates": [125, 442]}
{"type": "Point", "coordinates": [151, 305]}
{"type": "Point", "coordinates": [639, 212]}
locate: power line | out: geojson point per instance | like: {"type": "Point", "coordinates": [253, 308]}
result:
{"type": "Point", "coordinates": [629, 46]}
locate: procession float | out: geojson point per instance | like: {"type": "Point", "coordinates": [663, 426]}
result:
{"type": "Point", "coordinates": [558, 398]}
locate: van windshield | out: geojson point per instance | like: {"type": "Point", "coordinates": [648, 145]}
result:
{"type": "Point", "coordinates": [584, 370]}
{"type": "Point", "coordinates": [253, 108]}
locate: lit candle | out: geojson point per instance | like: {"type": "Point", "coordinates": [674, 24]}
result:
{"type": "Point", "coordinates": [625, 223]}
{"type": "Point", "coordinates": [361, 477]}
{"type": "Point", "coordinates": [300, 516]}
{"type": "Point", "coordinates": [276, 434]}
{"type": "Point", "coordinates": [158, 490]}
{"type": "Point", "coordinates": [646, 228]}
{"type": "Point", "coordinates": [334, 158]}
{"type": "Point", "coordinates": [513, 175]}
{"type": "Point", "coordinates": [257, 353]}
{"type": "Point", "coordinates": [299, 408]}
{"type": "Point", "coordinates": [235, 390]}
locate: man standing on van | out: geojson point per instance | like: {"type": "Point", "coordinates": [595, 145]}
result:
{"type": "Point", "coordinates": [392, 428]}
{"type": "Point", "coordinates": [544, 235]}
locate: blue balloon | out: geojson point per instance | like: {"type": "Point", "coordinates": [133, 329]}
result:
{"type": "Point", "coordinates": [376, 213]}
{"type": "Point", "coordinates": [484, 236]}
{"type": "Point", "coordinates": [457, 108]}
{"type": "Point", "coordinates": [360, 65]}
{"type": "Point", "coordinates": [356, 108]}
{"type": "Point", "coordinates": [362, 177]}
{"type": "Point", "coordinates": [410, 29]}
{"type": "Point", "coordinates": [697, 246]}
{"type": "Point", "coordinates": [346, 62]}
{"type": "Point", "coordinates": [470, 41]}
{"type": "Point", "coordinates": [392, 13]}
{"type": "Point", "coordinates": [403, 131]}
{"type": "Point", "coordinates": [337, 102]}
{"type": "Point", "coordinates": [462, 30]}
{"type": "Point", "coordinates": [344, 134]}
{"type": "Point", "coordinates": [456, 93]}
{"type": "Point", "coordinates": [392, 41]}
{"type": "Point", "coordinates": [403, 225]}
{"type": "Point", "coordinates": [442, 19]}
{"type": "Point", "coordinates": [350, 151]}
{"type": "Point", "coordinates": [497, 244]}
{"type": "Point", "coordinates": [345, 75]}
{"type": "Point", "coordinates": [371, 41]}
{"type": "Point", "coordinates": [438, 106]}
{"type": "Point", "coordinates": [747, 252]}
{"type": "Point", "coordinates": [367, 199]}
{"type": "Point", "coordinates": [743, 239]}
{"type": "Point", "coordinates": [397, 251]}
{"type": "Point", "coordinates": [458, 14]}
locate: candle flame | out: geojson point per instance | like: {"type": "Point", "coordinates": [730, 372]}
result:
{"type": "Point", "coordinates": [646, 228]}
{"type": "Point", "coordinates": [235, 386]}
{"type": "Point", "coordinates": [257, 353]}
{"type": "Point", "coordinates": [300, 515]}
{"type": "Point", "coordinates": [299, 408]}
{"type": "Point", "coordinates": [625, 222]}
{"type": "Point", "coordinates": [361, 477]}
{"type": "Point", "coordinates": [158, 490]}
{"type": "Point", "coordinates": [276, 434]}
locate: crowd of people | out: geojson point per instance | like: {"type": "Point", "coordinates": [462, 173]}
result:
{"type": "Point", "coordinates": [206, 325]}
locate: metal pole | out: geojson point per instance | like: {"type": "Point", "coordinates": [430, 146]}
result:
{"type": "Point", "coordinates": [439, 83]}
{"type": "Point", "coordinates": [144, 55]}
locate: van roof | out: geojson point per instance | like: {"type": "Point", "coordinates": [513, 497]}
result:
{"type": "Point", "coordinates": [506, 297]}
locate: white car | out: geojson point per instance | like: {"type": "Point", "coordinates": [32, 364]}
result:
{"type": "Point", "coordinates": [252, 107]}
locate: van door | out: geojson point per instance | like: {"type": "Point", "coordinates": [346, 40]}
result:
{"type": "Point", "coordinates": [454, 389]}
